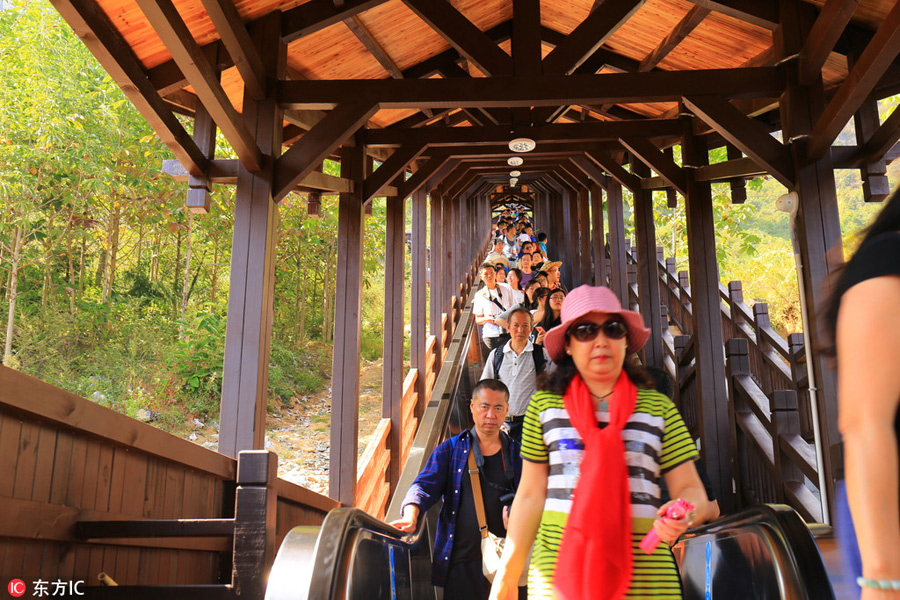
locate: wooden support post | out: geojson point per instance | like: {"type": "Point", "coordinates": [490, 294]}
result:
{"type": "Point", "coordinates": [866, 121]}
{"type": "Point", "coordinates": [245, 380]}
{"type": "Point", "coordinates": [598, 238]}
{"type": "Point", "coordinates": [199, 188]}
{"type": "Point", "coordinates": [392, 354]}
{"type": "Point", "coordinates": [715, 411]}
{"type": "Point", "coordinates": [436, 270]}
{"type": "Point", "coordinates": [818, 228]}
{"type": "Point", "coordinates": [347, 306]}
{"type": "Point", "coordinates": [584, 230]}
{"type": "Point", "coordinates": [618, 271]}
{"type": "Point", "coordinates": [418, 291]}
{"type": "Point", "coordinates": [737, 363]}
{"type": "Point", "coordinates": [255, 520]}
{"type": "Point", "coordinates": [738, 185]}
{"type": "Point", "coordinates": [648, 281]}
{"type": "Point", "coordinates": [446, 263]}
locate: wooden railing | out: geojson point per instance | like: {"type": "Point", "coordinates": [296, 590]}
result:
{"type": "Point", "coordinates": [66, 460]}
{"type": "Point", "coordinates": [767, 385]}
{"type": "Point", "coordinates": [372, 486]}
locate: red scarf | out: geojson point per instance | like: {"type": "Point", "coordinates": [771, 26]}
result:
{"type": "Point", "coordinates": [595, 552]}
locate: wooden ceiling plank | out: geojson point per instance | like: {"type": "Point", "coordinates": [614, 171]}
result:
{"type": "Point", "coordinates": [654, 158]}
{"type": "Point", "coordinates": [683, 29]}
{"type": "Point", "coordinates": [463, 35]}
{"type": "Point", "coordinates": [762, 13]}
{"type": "Point", "coordinates": [237, 42]}
{"type": "Point", "coordinates": [825, 33]}
{"type": "Point", "coordinates": [654, 86]}
{"type": "Point", "coordinates": [316, 15]}
{"type": "Point", "coordinates": [873, 63]}
{"type": "Point", "coordinates": [418, 179]}
{"type": "Point", "coordinates": [589, 35]}
{"type": "Point", "coordinates": [526, 38]}
{"type": "Point", "coordinates": [498, 134]}
{"type": "Point", "coordinates": [362, 33]}
{"type": "Point", "coordinates": [105, 42]}
{"type": "Point", "coordinates": [616, 171]}
{"type": "Point", "coordinates": [389, 169]}
{"type": "Point", "coordinates": [751, 137]}
{"type": "Point", "coordinates": [317, 145]}
{"type": "Point", "coordinates": [168, 24]}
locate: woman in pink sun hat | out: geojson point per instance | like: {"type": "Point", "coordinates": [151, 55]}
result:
{"type": "Point", "coordinates": [596, 442]}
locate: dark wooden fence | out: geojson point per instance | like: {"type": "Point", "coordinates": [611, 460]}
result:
{"type": "Point", "coordinates": [768, 390]}
{"type": "Point", "coordinates": [65, 460]}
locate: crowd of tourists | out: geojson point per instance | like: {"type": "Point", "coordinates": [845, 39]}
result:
{"type": "Point", "coordinates": [580, 462]}
{"type": "Point", "coordinates": [575, 455]}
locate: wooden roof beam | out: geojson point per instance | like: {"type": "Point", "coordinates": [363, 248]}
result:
{"type": "Point", "coordinates": [441, 174]}
{"type": "Point", "coordinates": [362, 33]}
{"type": "Point", "coordinates": [189, 57]}
{"type": "Point", "coordinates": [873, 63]}
{"type": "Point", "coordinates": [237, 42]}
{"type": "Point", "coordinates": [420, 177]}
{"type": "Point", "coordinates": [825, 32]}
{"type": "Point", "coordinates": [547, 132]}
{"type": "Point", "coordinates": [616, 171]}
{"type": "Point", "coordinates": [655, 86]}
{"type": "Point", "coordinates": [590, 169]}
{"type": "Point", "coordinates": [762, 13]}
{"type": "Point", "coordinates": [316, 15]}
{"type": "Point", "coordinates": [589, 35]}
{"type": "Point", "coordinates": [749, 136]}
{"type": "Point", "coordinates": [683, 29]}
{"type": "Point", "coordinates": [526, 38]}
{"type": "Point", "coordinates": [463, 35]}
{"type": "Point", "coordinates": [654, 158]}
{"type": "Point", "coordinates": [225, 171]}
{"type": "Point", "coordinates": [885, 137]}
{"type": "Point", "coordinates": [317, 145]}
{"type": "Point", "coordinates": [393, 167]}
{"type": "Point", "coordinates": [105, 42]}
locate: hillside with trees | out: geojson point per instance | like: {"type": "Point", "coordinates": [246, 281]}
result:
{"type": "Point", "coordinates": [112, 290]}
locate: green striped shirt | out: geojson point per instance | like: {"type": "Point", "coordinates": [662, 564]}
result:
{"type": "Point", "coordinates": [656, 441]}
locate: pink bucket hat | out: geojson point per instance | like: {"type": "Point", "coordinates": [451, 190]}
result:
{"type": "Point", "coordinates": [587, 299]}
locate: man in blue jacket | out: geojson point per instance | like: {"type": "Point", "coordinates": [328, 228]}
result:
{"type": "Point", "coordinates": [457, 545]}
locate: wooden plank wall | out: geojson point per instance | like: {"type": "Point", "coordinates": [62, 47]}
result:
{"type": "Point", "coordinates": [64, 459]}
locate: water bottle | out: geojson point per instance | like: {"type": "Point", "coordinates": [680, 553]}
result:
{"type": "Point", "coordinates": [570, 454]}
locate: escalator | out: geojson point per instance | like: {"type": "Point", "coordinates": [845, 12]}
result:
{"type": "Point", "coordinates": [761, 553]}
{"type": "Point", "coordinates": [353, 555]}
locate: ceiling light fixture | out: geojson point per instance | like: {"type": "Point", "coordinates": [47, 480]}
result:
{"type": "Point", "coordinates": [522, 144]}
{"type": "Point", "coordinates": [515, 173]}
{"type": "Point", "coordinates": [514, 161]}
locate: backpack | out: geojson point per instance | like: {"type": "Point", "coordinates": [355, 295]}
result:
{"type": "Point", "coordinates": [537, 354]}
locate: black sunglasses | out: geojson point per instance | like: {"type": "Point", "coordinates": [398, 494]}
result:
{"type": "Point", "coordinates": [613, 329]}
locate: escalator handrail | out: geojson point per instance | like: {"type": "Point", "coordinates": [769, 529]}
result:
{"type": "Point", "coordinates": [337, 531]}
{"type": "Point", "coordinates": [790, 530]}
{"type": "Point", "coordinates": [433, 424]}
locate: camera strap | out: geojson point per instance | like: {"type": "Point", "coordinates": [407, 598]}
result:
{"type": "Point", "coordinates": [508, 470]}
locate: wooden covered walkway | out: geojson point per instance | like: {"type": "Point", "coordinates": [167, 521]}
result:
{"type": "Point", "coordinates": [419, 100]}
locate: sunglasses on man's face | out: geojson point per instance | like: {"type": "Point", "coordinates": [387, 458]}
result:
{"type": "Point", "coordinates": [613, 329]}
